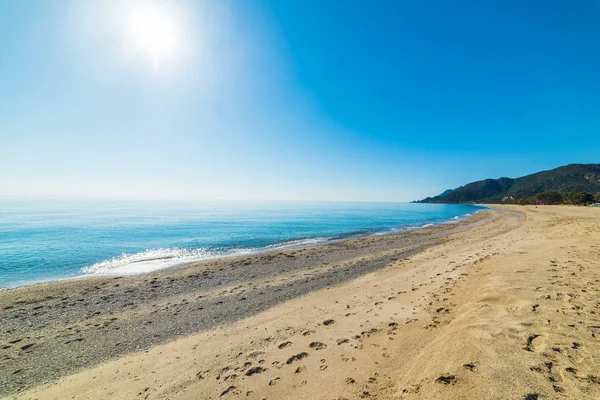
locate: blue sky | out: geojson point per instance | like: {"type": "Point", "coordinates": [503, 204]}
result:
{"type": "Point", "coordinates": [307, 100]}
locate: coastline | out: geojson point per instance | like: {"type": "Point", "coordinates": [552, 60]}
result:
{"type": "Point", "coordinates": [237, 252]}
{"type": "Point", "coordinates": [87, 320]}
{"type": "Point", "coordinates": [504, 307]}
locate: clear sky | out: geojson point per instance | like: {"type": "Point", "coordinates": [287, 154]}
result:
{"type": "Point", "coordinates": [307, 100]}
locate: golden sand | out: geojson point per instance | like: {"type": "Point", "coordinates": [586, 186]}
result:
{"type": "Point", "coordinates": [505, 310]}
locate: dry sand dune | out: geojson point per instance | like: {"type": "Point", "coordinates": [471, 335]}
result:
{"type": "Point", "coordinates": [505, 310]}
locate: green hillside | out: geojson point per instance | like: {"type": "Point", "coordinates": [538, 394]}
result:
{"type": "Point", "coordinates": [580, 177]}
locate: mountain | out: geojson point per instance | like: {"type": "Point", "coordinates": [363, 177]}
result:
{"type": "Point", "coordinates": [449, 191]}
{"type": "Point", "coordinates": [582, 177]}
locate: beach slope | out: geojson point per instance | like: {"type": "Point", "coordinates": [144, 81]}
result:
{"type": "Point", "coordinates": [504, 308]}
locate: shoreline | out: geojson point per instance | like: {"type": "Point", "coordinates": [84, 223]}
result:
{"type": "Point", "coordinates": [85, 321]}
{"type": "Point", "coordinates": [259, 250]}
{"type": "Point", "coordinates": [504, 308]}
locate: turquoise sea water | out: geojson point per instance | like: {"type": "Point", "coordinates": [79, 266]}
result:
{"type": "Point", "coordinates": [47, 240]}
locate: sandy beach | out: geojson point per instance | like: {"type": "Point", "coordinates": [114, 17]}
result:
{"type": "Point", "coordinates": [502, 306]}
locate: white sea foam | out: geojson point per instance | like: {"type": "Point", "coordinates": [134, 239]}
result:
{"type": "Point", "coordinates": [155, 259]}
{"type": "Point", "coordinates": [147, 261]}
{"type": "Point", "coordinates": [295, 243]}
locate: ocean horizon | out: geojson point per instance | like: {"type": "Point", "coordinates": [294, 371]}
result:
{"type": "Point", "coordinates": [45, 240]}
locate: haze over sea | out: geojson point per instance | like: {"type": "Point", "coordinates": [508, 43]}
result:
{"type": "Point", "coordinates": [56, 239]}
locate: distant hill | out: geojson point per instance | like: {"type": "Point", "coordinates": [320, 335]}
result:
{"type": "Point", "coordinates": [581, 177]}
{"type": "Point", "coordinates": [450, 191]}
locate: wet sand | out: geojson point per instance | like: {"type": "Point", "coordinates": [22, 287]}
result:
{"type": "Point", "coordinates": [504, 306]}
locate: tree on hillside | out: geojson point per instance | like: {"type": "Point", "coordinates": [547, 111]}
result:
{"type": "Point", "coordinates": [597, 196]}
{"type": "Point", "coordinates": [574, 197]}
{"type": "Point", "coordinates": [547, 198]}
{"type": "Point", "coordinates": [525, 201]}
{"type": "Point", "coordinates": [587, 199]}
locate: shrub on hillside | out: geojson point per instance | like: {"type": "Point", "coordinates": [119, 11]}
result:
{"type": "Point", "coordinates": [547, 198]}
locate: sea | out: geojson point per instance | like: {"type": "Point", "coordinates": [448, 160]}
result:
{"type": "Point", "coordinates": [44, 240]}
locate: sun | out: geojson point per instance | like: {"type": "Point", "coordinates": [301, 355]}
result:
{"type": "Point", "coordinates": [155, 34]}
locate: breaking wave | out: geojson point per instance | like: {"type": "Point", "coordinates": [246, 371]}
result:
{"type": "Point", "coordinates": [155, 259]}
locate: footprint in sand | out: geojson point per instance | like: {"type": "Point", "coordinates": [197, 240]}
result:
{"type": "Point", "coordinates": [529, 345]}
{"type": "Point", "coordinates": [273, 382]}
{"type": "Point", "coordinates": [472, 366]}
{"type": "Point", "coordinates": [446, 379]}
{"type": "Point", "coordinates": [255, 370]}
{"type": "Point", "coordinates": [297, 357]}
{"type": "Point", "coordinates": [317, 345]}
{"type": "Point", "coordinates": [230, 389]}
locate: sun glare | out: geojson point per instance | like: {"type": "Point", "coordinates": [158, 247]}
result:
{"type": "Point", "coordinates": [155, 34]}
